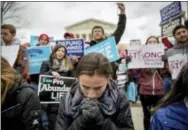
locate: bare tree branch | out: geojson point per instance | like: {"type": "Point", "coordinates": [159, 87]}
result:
{"type": "Point", "coordinates": [11, 11]}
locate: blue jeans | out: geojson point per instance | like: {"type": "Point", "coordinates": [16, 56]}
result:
{"type": "Point", "coordinates": [167, 83]}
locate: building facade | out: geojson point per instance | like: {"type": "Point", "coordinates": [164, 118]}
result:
{"type": "Point", "coordinates": [83, 28]}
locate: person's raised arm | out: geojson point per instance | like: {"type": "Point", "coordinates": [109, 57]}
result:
{"type": "Point", "coordinates": [121, 23]}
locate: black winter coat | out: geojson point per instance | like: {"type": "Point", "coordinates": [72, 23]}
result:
{"type": "Point", "coordinates": [21, 109]}
{"type": "Point", "coordinates": [46, 69]}
{"type": "Point", "coordinates": [113, 105]}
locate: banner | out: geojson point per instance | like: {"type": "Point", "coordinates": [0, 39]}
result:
{"type": "Point", "coordinates": [107, 47]}
{"type": "Point", "coordinates": [34, 40]}
{"type": "Point", "coordinates": [146, 56]}
{"type": "Point", "coordinates": [121, 75]}
{"type": "Point", "coordinates": [176, 63]}
{"type": "Point", "coordinates": [167, 28]}
{"type": "Point", "coordinates": [170, 11]}
{"type": "Point", "coordinates": [135, 42]}
{"type": "Point", "coordinates": [37, 54]}
{"type": "Point", "coordinates": [51, 90]}
{"type": "Point", "coordinates": [75, 47]}
{"type": "Point", "coordinates": [10, 53]}
{"type": "Point", "coordinates": [170, 18]}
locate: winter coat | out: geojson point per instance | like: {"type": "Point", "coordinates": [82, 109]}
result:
{"type": "Point", "coordinates": [117, 34]}
{"type": "Point", "coordinates": [113, 105]}
{"type": "Point", "coordinates": [172, 117]}
{"type": "Point", "coordinates": [150, 82]}
{"type": "Point", "coordinates": [22, 62]}
{"type": "Point", "coordinates": [21, 109]}
{"type": "Point", "coordinates": [46, 69]}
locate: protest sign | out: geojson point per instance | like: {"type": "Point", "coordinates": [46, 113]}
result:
{"type": "Point", "coordinates": [170, 18]}
{"type": "Point", "coordinates": [37, 54]}
{"type": "Point", "coordinates": [146, 56]}
{"type": "Point", "coordinates": [135, 42]}
{"type": "Point", "coordinates": [121, 75]}
{"type": "Point", "coordinates": [122, 69]}
{"type": "Point", "coordinates": [176, 63]}
{"type": "Point", "coordinates": [75, 47]}
{"type": "Point", "coordinates": [34, 40]}
{"type": "Point", "coordinates": [10, 53]}
{"type": "Point", "coordinates": [51, 90]}
{"type": "Point", "coordinates": [170, 11]}
{"type": "Point", "coordinates": [107, 47]}
{"type": "Point", "coordinates": [167, 28]}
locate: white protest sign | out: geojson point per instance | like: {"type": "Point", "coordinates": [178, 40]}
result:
{"type": "Point", "coordinates": [176, 63]}
{"type": "Point", "coordinates": [146, 56]}
{"type": "Point", "coordinates": [10, 53]}
{"type": "Point", "coordinates": [135, 42]}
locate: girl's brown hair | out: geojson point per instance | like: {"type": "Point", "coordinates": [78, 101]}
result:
{"type": "Point", "coordinates": [93, 63]}
{"type": "Point", "coordinates": [8, 78]}
{"type": "Point", "coordinates": [179, 91]}
{"type": "Point", "coordinates": [152, 37]}
{"type": "Point", "coordinates": [68, 63]}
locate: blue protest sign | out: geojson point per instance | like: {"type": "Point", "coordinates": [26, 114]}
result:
{"type": "Point", "coordinates": [171, 11]}
{"type": "Point", "coordinates": [107, 47]}
{"type": "Point", "coordinates": [34, 40]}
{"type": "Point", "coordinates": [37, 54]}
{"type": "Point", "coordinates": [75, 47]}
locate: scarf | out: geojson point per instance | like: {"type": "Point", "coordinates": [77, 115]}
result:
{"type": "Point", "coordinates": [107, 102]}
{"type": "Point", "coordinates": [59, 66]}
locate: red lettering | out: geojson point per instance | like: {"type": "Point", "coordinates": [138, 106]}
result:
{"type": "Point", "coordinates": [175, 64]}
{"type": "Point", "coordinates": [152, 55]}
{"type": "Point", "coordinates": [159, 54]}
{"type": "Point", "coordinates": [146, 55]}
{"type": "Point", "coordinates": [132, 54]}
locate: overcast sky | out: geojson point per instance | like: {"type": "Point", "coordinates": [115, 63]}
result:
{"type": "Point", "coordinates": [143, 18]}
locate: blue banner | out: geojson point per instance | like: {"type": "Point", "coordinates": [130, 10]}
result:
{"type": "Point", "coordinates": [107, 47]}
{"type": "Point", "coordinates": [37, 55]}
{"type": "Point", "coordinates": [171, 11]}
{"type": "Point", "coordinates": [34, 40]}
{"type": "Point", "coordinates": [75, 47]}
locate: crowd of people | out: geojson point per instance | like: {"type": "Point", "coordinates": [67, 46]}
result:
{"type": "Point", "coordinates": [94, 101]}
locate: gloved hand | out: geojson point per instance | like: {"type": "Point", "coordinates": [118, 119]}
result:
{"type": "Point", "coordinates": [91, 111]}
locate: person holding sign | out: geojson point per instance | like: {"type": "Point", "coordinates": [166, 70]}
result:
{"type": "Point", "coordinates": [98, 32]}
{"type": "Point", "coordinates": [172, 111]}
{"type": "Point", "coordinates": [94, 102]}
{"type": "Point", "coordinates": [8, 33]}
{"type": "Point", "coordinates": [20, 105]}
{"type": "Point", "coordinates": [43, 40]}
{"type": "Point", "coordinates": [58, 65]}
{"type": "Point", "coordinates": [178, 55]}
{"type": "Point", "coordinates": [151, 87]}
